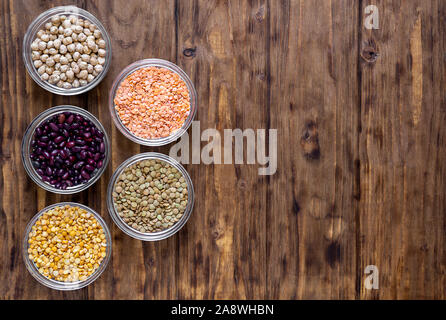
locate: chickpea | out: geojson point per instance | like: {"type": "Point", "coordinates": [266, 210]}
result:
{"type": "Point", "coordinates": [101, 43]}
{"type": "Point", "coordinates": [82, 37]}
{"type": "Point", "coordinates": [76, 56]}
{"type": "Point", "coordinates": [87, 50]}
{"type": "Point", "coordinates": [55, 20]}
{"type": "Point", "coordinates": [101, 52]}
{"type": "Point", "coordinates": [54, 30]}
{"type": "Point", "coordinates": [71, 47]}
{"type": "Point", "coordinates": [41, 70]}
{"type": "Point", "coordinates": [82, 65]}
{"type": "Point", "coordinates": [68, 40]}
{"type": "Point", "coordinates": [85, 57]}
{"type": "Point", "coordinates": [64, 69]}
{"type": "Point", "coordinates": [76, 83]}
{"type": "Point", "coordinates": [45, 77]}
{"type": "Point", "coordinates": [38, 64]}
{"type": "Point", "coordinates": [63, 49]}
{"type": "Point", "coordinates": [98, 68]}
{"type": "Point", "coordinates": [90, 68]}
{"type": "Point", "coordinates": [66, 24]}
{"type": "Point", "coordinates": [93, 61]}
{"type": "Point", "coordinates": [70, 74]}
{"type": "Point", "coordinates": [97, 34]}
{"type": "Point", "coordinates": [42, 45]}
{"type": "Point", "coordinates": [54, 78]}
{"type": "Point", "coordinates": [50, 62]}
{"type": "Point", "coordinates": [76, 68]}
{"type": "Point", "coordinates": [63, 60]}
{"type": "Point", "coordinates": [44, 57]}
{"type": "Point", "coordinates": [57, 43]}
{"type": "Point", "coordinates": [83, 82]}
{"type": "Point", "coordinates": [35, 55]}
{"type": "Point", "coordinates": [83, 74]}
{"type": "Point", "coordinates": [68, 32]}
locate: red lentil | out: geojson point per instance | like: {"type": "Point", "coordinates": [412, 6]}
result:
{"type": "Point", "coordinates": [152, 102]}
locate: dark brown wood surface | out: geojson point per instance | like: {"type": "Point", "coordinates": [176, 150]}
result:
{"type": "Point", "coordinates": [361, 172]}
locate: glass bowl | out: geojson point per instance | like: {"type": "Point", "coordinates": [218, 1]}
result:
{"type": "Point", "coordinates": [161, 64]}
{"type": "Point", "coordinates": [59, 285]}
{"type": "Point", "coordinates": [38, 24]}
{"type": "Point", "coordinates": [152, 236]}
{"type": "Point", "coordinates": [26, 148]}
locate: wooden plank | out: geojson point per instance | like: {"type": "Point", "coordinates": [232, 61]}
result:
{"type": "Point", "coordinates": [311, 216]}
{"type": "Point", "coordinates": [222, 46]}
{"type": "Point", "coordinates": [402, 151]}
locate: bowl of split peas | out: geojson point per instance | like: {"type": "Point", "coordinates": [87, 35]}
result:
{"type": "Point", "coordinates": [150, 196]}
{"type": "Point", "coordinates": [66, 246]}
{"type": "Point", "coordinates": [153, 102]}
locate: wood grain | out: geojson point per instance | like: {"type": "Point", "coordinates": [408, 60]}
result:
{"type": "Point", "coordinates": [361, 172]}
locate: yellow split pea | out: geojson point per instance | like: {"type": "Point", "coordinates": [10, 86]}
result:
{"type": "Point", "coordinates": [67, 244]}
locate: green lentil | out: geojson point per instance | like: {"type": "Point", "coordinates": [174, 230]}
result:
{"type": "Point", "coordinates": [150, 195]}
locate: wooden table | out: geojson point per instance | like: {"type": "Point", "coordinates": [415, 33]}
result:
{"type": "Point", "coordinates": [361, 172]}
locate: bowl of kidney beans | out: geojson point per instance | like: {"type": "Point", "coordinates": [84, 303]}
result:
{"type": "Point", "coordinates": [65, 149]}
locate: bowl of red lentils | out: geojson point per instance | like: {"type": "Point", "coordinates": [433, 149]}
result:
{"type": "Point", "coordinates": [153, 102]}
{"type": "Point", "coordinates": [66, 246]}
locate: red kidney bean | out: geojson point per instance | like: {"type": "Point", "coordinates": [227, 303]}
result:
{"type": "Point", "coordinates": [67, 149]}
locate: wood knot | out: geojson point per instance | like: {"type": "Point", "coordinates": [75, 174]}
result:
{"type": "Point", "coordinates": [242, 184]}
{"type": "Point", "coordinates": [190, 52]}
{"type": "Point", "coordinates": [369, 51]}
{"type": "Point", "coordinates": [333, 253]}
{"type": "Point", "coordinates": [310, 141]}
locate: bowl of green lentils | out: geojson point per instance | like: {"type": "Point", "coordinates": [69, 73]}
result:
{"type": "Point", "coordinates": [150, 196]}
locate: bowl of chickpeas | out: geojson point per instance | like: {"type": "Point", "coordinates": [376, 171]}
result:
{"type": "Point", "coordinates": [67, 51]}
{"type": "Point", "coordinates": [66, 246]}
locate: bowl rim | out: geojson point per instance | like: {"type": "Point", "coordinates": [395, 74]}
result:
{"type": "Point", "coordinates": [59, 285]}
{"type": "Point", "coordinates": [30, 36]}
{"type": "Point", "coordinates": [26, 146]}
{"type": "Point", "coordinates": [152, 236]}
{"type": "Point", "coordinates": [160, 63]}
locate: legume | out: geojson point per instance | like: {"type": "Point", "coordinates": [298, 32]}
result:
{"type": "Point", "coordinates": [69, 52]}
{"type": "Point", "coordinates": [150, 195]}
{"type": "Point", "coordinates": [152, 102]}
{"type": "Point", "coordinates": [67, 244]}
{"type": "Point", "coordinates": [67, 150]}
